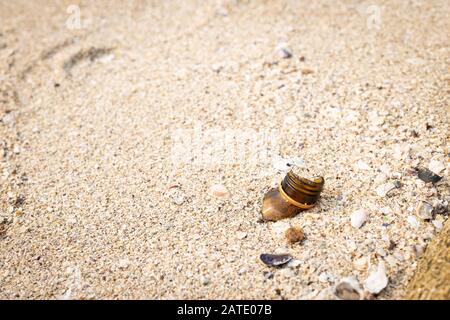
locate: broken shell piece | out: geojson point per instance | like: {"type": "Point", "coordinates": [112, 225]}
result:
{"type": "Point", "coordinates": [348, 289]}
{"type": "Point", "coordinates": [360, 264]}
{"type": "Point", "coordinates": [294, 263]}
{"type": "Point", "coordinates": [293, 195]}
{"type": "Point", "coordinates": [241, 235]}
{"type": "Point", "coordinates": [219, 191]}
{"type": "Point", "coordinates": [275, 260]}
{"type": "Point", "coordinates": [436, 166]}
{"type": "Point", "coordinates": [384, 189]}
{"type": "Point", "coordinates": [424, 210]}
{"type": "Point", "coordinates": [427, 176]}
{"type": "Point", "coordinates": [294, 234]}
{"type": "Point", "coordinates": [377, 280]}
{"type": "Point", "coordinates": [438, 224]}
{"type": "Point", "coordinates": [283, 51]}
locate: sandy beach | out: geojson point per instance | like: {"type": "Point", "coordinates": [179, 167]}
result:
{"type": "Point", "coordinates": [118, 179]}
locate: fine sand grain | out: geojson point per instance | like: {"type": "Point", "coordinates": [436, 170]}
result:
{"type": "Point", "coordinates": [94, 205]}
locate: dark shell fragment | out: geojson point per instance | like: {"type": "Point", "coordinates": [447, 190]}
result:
{"type": "Point", "coordinates": [427, 175]}
{"type": "Point", "coordinates": [345, 291]}
{"type": "Point", "coordinates": [275, 260]}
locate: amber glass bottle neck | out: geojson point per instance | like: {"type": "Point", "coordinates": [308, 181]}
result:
{"type": "Point", "coordinates": [302, 190]}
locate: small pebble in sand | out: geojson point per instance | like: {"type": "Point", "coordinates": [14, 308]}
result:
{"type": "Point", "coordinates": [294, 234]}
{"type": "Point", "coordinates": [19, 212]}
{"type": "Point", "coordinates": [358, 218]}
{"type": "Point", "coordinates": [377, 280]}
{"type": "Point", "coordinates": [283, 51]}
{"type": "Point", "coordinates": [217, 67]}
{"type": "Point", "coordinates": [204, 280]}
{"type": "Point", "coordinates": [436, 166]}
{"type": "Point", "coordinates": [384, 189]}
{"type": "Point", "coordinates": [348, 289]}
{"type": "Point", "coordinates": [123, 263]}
{"type": "Point", "coordinates": [413, 222]}
{"type": "Point", "coordinates": [306, 71]}
{"type": "Point", "coordinates": [424, 210]}
{"type": "Point", "coordinates": [219, 191]}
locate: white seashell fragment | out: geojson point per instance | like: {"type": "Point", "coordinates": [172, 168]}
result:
{"type": "Point", "coordinates": [438, 224]}
{"type": "Point", "coordinates": [413, 222]}
{"type": "Point", "coordinates": [436, 166]}
{"type": "Point", "coordinates": [358, 218]}
{"type": "Point", "coordinates": [294, 263]}
{"type": "Point", "coordinates": [219, 191]}
{"type": "Point", "coordinates": [384, 189]}
{"type": "Point", "coordinates": [283, 51]}
{"type": "Point", "coordinates": [424, 210]}
{"type": "Point", "coordinates": [377, 280]}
